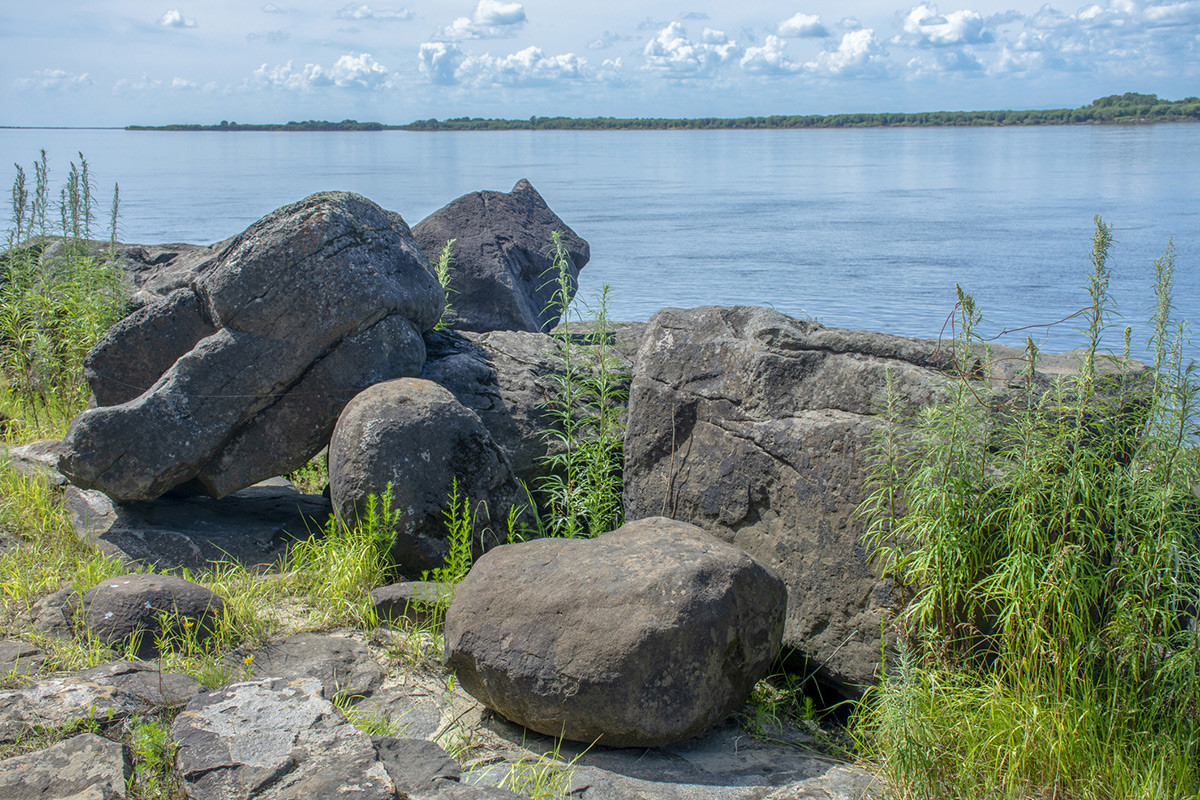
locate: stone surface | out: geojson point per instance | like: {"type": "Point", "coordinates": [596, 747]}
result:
{"type": "Point", "coordinates": [417, 601]}
{"type": "Point", "coordinates": [412, 434]}
{"type": "Point", "coordinates": [275, 739]}
{"type": "Point", "coordinates": [502, 257]}
{"type": "Point", "coordinates": [755, 426]}
{"type": "Point", "coordinates": [145, 681]}
{"type": "Point", "coordinates": [38, 459]}
{"type": "Point", "coordinates": [643, 636]}
{"type": "Point", "coordinates": [343, 667]}
{"type": "Point", "coordinates": [18, 657]}
{"type": "Point", "coordinates": [82, 766]}
{"type": "Point", "coordinates": [416, 766]}
{"type": "Point", "coordinates": [252, 526]}
{"type": "Point", "coordinates": [139, 608]}
{"type": "Point", "coordinates": [506, 377]}
{"type": "Point", "coordinates": [295, 315]}
{"type": "Point", "coordinates": [54, 614]}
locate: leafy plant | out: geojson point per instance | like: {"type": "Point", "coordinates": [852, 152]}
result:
{"type": "Point", "coordinates": [582, 492]}
{"type": "Point", "coordinates": [442, 269]}
{"type": "Point", "coordinates": [153, 750]}
{"type": "Point", "coordinates": [1052, 548]}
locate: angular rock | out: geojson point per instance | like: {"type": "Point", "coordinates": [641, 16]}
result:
{"type": "Point", "coordinates": [507, 377]}
{"type": "Point", "coordinates": [18, 657]}
{"type": "Point", "coordinates": [641, 637]}
{"type": "Point", "coordinates": [275, 739]}
{"type": "Point", "coordinates": [143, 607]}
{"type": "Point", "coordinates": [38, 459]}
{"type": "Point", "coordinates": [293, 317]}
{"type": "Point", "coordinates": [54, 614]}
{"type": "Point", "coordinates": [416, 765]}
{"type": "Point", "coordinates": [502, 258]}
{"type": "Point", "coordinates": [416, 601]}
{"type": "Point", "coordinates": [251, 527]}
{"type": "Point", "coordinates": [82, 764]}
{"type": "Point", "coordinates": [344, 667]}
{"type": "Point", "coordinates": [412, 434]}
{"type": "Point", "coordinates": [756, 427]}
{"type": "Point", "coordinates": [145, 681]}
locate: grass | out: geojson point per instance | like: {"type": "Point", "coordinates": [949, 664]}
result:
{"type": "Point", "coordinates": [1053, 556]}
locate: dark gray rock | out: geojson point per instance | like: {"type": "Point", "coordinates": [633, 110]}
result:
{"type": "Point", "coordinates": [54, 614]}
{"type": "Point", "coordinates": [251, 527]}
{"type": "Point", "coordinates": [145, 681]}
{"type": "Point", "coordinates": [275, 739]}
{"type": "Point", "coordinates": [18, 657]}
{"type": "Point", "coordinates": [412, 434]}
{"type": "Point", "coordinates": [503, 253]}
{"type": "Point", "coordinates": [643, 636]}
{"type": "Point", "coordinates": [307, 307]}
{"type": "Point", "coordinates": [416, 601]}
{"type": "Point", "coordinates": [507, 377]}
{"type": "Point", "coordinates": [344, 667]}
{"type": "Point", "coordinates": [142, 607]}
{"type": "Point", "coordinates": [65, 771]}
{"type": "Point", "coordinates": [416, 765]}
{"type": "Point", "coordinates": [756, 427]}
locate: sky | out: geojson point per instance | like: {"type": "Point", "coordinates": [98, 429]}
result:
{"type": "Point", "coordinates": [119, 62]}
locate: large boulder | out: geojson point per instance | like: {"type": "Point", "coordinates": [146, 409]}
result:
{"type": "Point", "coordinates": [141, 608]}
{"type": "Point", "coordinates": [643, 636]}
{"type": "Point", "coordinates": [240, 375]}
{"type": "Point", "coordinates": [757, 427]}
{"type": "Point", "coordinates": [412, 435]}
{"type": "Point", "coordinates": [503, 254]}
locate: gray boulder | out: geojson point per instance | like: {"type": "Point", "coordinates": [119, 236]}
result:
{"type": "Point", "coordinates": [412, 434]}
{"type": "Point", "coordinates": [419, 602]}
{"type": "Point", "coordinates": [275, 739]}
{"type": "Point", "coordinates": [756, 427]}
{"type": "Point", "coordinates": [644, 636]}
{"type": "Point", "coordinates": [143, 607]}
{"type": "Point", "coordinates": [67, 770]}
{"type": "Point", "coordinates": [307, 307]}
{"type": "Point", "coordinates": [18, 657]}
{"type": "Point", "coordinates": [344, 667]}
{"type": "Point", "coordinates": [503, 253]}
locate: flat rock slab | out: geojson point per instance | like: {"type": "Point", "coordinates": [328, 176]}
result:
{"type": "Point", "coordinates": [106, 693]}
{"type": "Point", "coordinates": [251, 527]}
{"type": "Point", "coordinates": [83, 766]}
{"type": "Point", "coordinates": [275, 739]}
{"type": "Point", "coordinates": [38, 460]}
{"type": "Point", "coordinates": [18, 657]}
{"type": "Point", "coordinates": [342, 666]}
{"type": "Point", "coordinates": [725, 763]}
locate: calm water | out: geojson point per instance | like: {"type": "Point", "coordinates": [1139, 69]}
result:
{"type": "Point", "coordinates": [857, 228]}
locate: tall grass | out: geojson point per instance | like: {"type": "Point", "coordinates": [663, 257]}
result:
{"type": "Point", "coordinates": [57, 299]}
{"type": "Point", "coordinates": [1052, 549]}
{"type": "Point", "coordinates": [582, 492]}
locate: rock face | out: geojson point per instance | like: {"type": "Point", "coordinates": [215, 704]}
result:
{"type": "Point", "coordinates": [755, 427]}
{"type": "Point", "coordinates": [68, 769]}
{"type": "Point", "coordinates": [240, 375]}
{"type": "Point", "coordinates": [502, 254]}
{"type": "Point", "coordinates": [414, 435]}
{"type": "Point", "coordinates": [144, 606]}
{"type": "Point", "coordinates": [342, 666]}
{"type": "Point", "coordinates": [643, 636]}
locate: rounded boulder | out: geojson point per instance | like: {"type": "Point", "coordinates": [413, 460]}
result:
{"type": "Point", "coordinates": [641, 637]}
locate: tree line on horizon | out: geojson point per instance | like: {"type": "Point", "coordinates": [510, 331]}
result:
{"type": "Point", "coordinates": [1129, 107]}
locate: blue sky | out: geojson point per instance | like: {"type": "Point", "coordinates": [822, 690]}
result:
{"type": "Point", "coordinates": [110, 62]}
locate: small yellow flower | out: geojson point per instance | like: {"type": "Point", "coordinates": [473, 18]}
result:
{"type": "Point", "coordinates": [247, 659]}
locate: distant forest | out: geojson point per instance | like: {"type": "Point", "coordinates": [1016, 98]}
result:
{"type": "Point", "coordinates": [1113, 109]}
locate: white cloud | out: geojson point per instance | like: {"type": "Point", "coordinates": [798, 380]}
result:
{"type": "Point", "coordinates": [175, 19]}
{"type": "Point", "coordinates": [675, 55]}
{"type": "Point", "coordinates": [858, 55]}
{"type": "Point", "coordinates": [445, 63]}
{"type": "Point", "coordinates": [271, 37]}
{"type": "Point", "coordinates": [802, 26]}
{"type": "Point", "coordinates": [54, 79]}
{"type": "Point", "coordinates": [364, 13]}
{"type": "Point", "coordinates": [148, 84]}
{"type": "Point", "coordinates": [348, 72]}
{"type": "Point", "coordinates": [271, 8]}
{"type": "Point", "coordinates": [1172, 14]}
{"type": "Point", "coordinates": [924, 26]}
{"type": "Point", "coordinates": [948, 60]}
{"type": "Point", "coordinates": [490, 20]}
{"type": "Point", "coordinates": [439, 62]}
{"type": "Point", "coordinates": [770, 59]}
{"type": "Point", "coordinates": [606, 40]}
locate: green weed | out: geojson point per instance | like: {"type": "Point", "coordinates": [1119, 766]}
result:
{"type": "Point", "coordinates": [313, 477]}
{"type": "Point", "coordinates": [153, 750]}
{"type": "Point", "coordinates": [442, 271]}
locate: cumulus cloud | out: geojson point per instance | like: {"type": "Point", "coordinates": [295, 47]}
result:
{"type": "Point", "coordinates": [446, 63]}
{"type": "Point", "coordinates": [175, 19]}
{"type": "Point", "coordinates": [148, 84]}
{"type": "Point", "coordinates": [858, 55]}
{"type": "Point", "coordinates": [490, 20]}
{"type": "Point", "coordinates": [673, 54]}
{"type": "Point", "coordinates": [606, 40]}
{"type": "Point", "coordinates": [1173, 14]}
{"type": "Point", "coordinates": [802, 26]}
{"type": "Point", "coordinates": [770, 59]}
{"type": "Point", "coordinates": [54, 79]}
{"type": "Point", "coordinates": [925, 27]}
{"type": "Point", "coordinates": [364, 13]}
{"type": "Point", "coordinates": [350, 71]}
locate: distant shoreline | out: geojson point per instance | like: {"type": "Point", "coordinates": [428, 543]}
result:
{"type": "Point", "coordinates": [1126, 109]}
